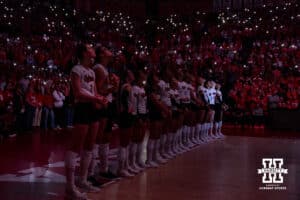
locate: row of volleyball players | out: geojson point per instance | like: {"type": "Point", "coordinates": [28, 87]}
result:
{"type": "Point", "coordinates": [182, 112]}
{"type": "Point", "coordinates": [178, 115]}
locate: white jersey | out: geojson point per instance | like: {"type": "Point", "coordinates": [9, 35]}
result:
{"type": "Point", "coordinates": [219, 97]}
{"type": "Point", "coordinates": [135, 93]}
{"type": "Point", "coordinates": [192, 92]}
{"type": "Point", "coordinates": [140, 100]}
{"type": "Point", "coordinates": [109, 97]}
{"type": "Point", "coordinates": [211, 96]}
{"type": "Point", "coordinates": [87, 79]}
{"type": "Point", "coordinates": [181, 88]}
{"type": "Point", "coordinates": [127, 99]}
{"type": "Point", "coordinates": [187, 93]}
{"type": "Point", "coordinates": [164, 92]}
{"type": "Point", "coordinates": [184, 92]}
{"type": "Point", "coordinates": [203, 91]}
{"type": "Point", "coordinates": [174, 94]}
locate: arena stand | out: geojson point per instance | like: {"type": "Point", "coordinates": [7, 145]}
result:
{"type": "Point", "coordinates": [240, 49]}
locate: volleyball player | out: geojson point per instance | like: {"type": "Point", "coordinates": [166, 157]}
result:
{"type": "Point", "coordinates": [219, 112]}
{"type": "Point", "coordinates": [164, 88]}
{"type": "Point", "coordinates": [211, 94]}
{"type": "Point", "coordinates": [84, 134]}
{"type": "Point", "coordinates": [176, 119]}
{"type": "Point", "coordinates": [202, 94]}
{"type": "Point", "coordinates": [106, 88]}
{"type": "Point", "coordinates": [140, 112]}
{"type": "Point", "coordinates": [126, 125]}
{"type": "Point", "coordinates": [189, 114]}
{"type": "Point", "coordinates": [184, 103]}
{"type": "Point", "coordinates": [157, 112]}
{"type": "Point", "coordinates": [196, 104]}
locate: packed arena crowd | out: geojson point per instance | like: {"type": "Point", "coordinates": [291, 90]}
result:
{"type": "Point", "coordinates": [254, 54]}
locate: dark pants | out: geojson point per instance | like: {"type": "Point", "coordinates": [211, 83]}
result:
{"type": "Point", "coordinates": [59, 117]}
{"type": "Point", "coordinates": [258, 120]}
{"type": "Point", "coordinates": [29, 115]}
{"type": "Point", "coordinates": [19, 123]}
{"type": "Point", "coordinates": [69, 115]}
{"type": "Point", "coordinates": [48, 119]}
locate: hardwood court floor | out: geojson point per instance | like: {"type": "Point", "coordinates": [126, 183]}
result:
{"type": "Point", "coordinates": [225, 170]}
{"type": "Point", "coordinates": [31, 168]}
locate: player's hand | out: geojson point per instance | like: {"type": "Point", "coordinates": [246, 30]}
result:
{"type": "Point", "coordinates": [101, 100]}
{"type": "Point", "coordinates": [167, 113]}
{"type": "Point", "coordinates": [115, 80]}
{"type": "Point", "coordinates": [130, 109]}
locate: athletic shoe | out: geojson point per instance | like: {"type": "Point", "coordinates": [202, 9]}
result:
{"type": "Point", "coordinates": [166, 156]}
{"type": "Point", "coordinates": [137, 167]}
{"type": "Point", "coordinates": [214, 136]}
{"type": "Point", "coordinates": [98, 181]}
{"type": "Point", "coordinates": [125, 174]}
{"type": "Point", "coordinates": [133, 170]}
{"type": "Point", "coordinates": [110, 175]}
{"type": "Point", "coordinates": [221, 135]}
{"type": "Point", "coordinates": [84, 185]}
{"type": "Point", "coordinates": [159, 159]}
{"type": "Point", "coordinates": [142, 166]}
{"type": "Point", "coordinates": [172, 153]}
{"type": "Point", "coordinates": [151, 164]}
{"type": "Point", "coordinates": [74, 194]}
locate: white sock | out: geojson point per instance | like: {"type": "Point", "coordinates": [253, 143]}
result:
{"type": "Point", "coordinates": [169, 144]}
{"type": "Point", "coordinates": [220, 127]}
{"type": "Point", "coordinates": [216, 128]}
{"type": "Point", "coordinates": [163, 141]}
{"type": "Point", "coordinates": [103, 155]}
{"type": "Point", "coordinates": [150, 149]}
{"type": "Point", "coordinates": [185, 132]}
{"type": "Point", "coordinates": [95, 157]}
{"type": "Point", "coordinates": [70, 164]}
{"type": "Point", "coordinates": [85, 160]}
{"type": "Point", "coordinates": [211, 127]}
{"type": "Point", "coordinates": [200, 130]}
{"type": "Point", "coordinates": [139, 153]}
{"type": "Point", "coordinates": [133, 153]}
{"type": "Point", "coordinates": [191, 132]}
{"type": "Point", "coordinates": [177, 138]}
{"type": "Point", "coordinates": [122, 158]}
{"type": "Point", "coordinates": [205, 129]}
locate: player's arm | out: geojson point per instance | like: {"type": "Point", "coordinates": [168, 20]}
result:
{"type": "Point", "coordinates": [115, 82]}
{"type": "Point", "coordinates": [165, 110]}
{"type": "Point", "coordinates": [196, 99]}
{"type": "Point", "coordinates": [100, 80]}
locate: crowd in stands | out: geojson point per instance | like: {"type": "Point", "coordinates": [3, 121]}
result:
{"type": "Point", "coordinates": [254, 53]}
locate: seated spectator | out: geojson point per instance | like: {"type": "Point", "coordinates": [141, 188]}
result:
{"type": "Point", "coordinates": [258, 116]}
{"type": "Point", "coordinates": [19, 108]}
{"type": "Point", "coordinates": [48, 119]}
{"type": "Point", "coordinates": [38, 110]}
{"type": "Point", "coordinates": [31, 103]}
{"type": "Point", "coordinates": [68, 106]}
{"type": "Point", "coordinates": [273, 101]}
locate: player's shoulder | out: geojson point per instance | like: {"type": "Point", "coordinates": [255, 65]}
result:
{"type": "Point", "coordinates": [135, 88]}
{"type": "Point", "coordinates": [77, 69]}
{"type": "Point", "coordinates": [126, 86]}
